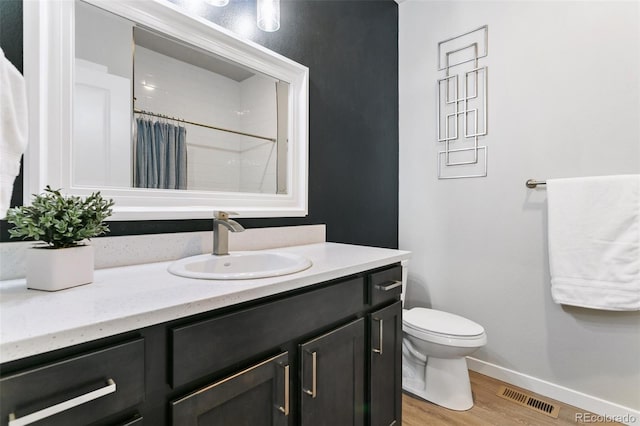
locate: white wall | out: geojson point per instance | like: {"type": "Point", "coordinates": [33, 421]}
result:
{"type": "Point", "coordinates": [259, 117]}
{"type": "Point", "coordinates": [564, 100]}
{"type": "Point", "coordinates": [94, 27]}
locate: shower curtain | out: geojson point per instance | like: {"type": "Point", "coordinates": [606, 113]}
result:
{"type": "Point", "coordinates": [160, 155]}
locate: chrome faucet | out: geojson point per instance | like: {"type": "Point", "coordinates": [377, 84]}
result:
{"type": "Point", "coordinates": [221, 227]}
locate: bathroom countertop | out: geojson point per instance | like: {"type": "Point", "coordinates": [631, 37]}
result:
{"type": "Point", "coordinates": [132, 297]}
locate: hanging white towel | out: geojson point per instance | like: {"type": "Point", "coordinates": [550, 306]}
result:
{"type": "Point", "coordinates": [594, 241]}
{"type": "Point", "coordinates": [13, 128]}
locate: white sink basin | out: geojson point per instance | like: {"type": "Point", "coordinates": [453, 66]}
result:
{"type": "Point", "coordinates": [239, 265]}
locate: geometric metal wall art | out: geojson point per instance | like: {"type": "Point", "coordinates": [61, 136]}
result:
{"type": "Point", "coordinates": [462, 105]}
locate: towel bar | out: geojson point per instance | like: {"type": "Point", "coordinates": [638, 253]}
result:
{"type": "Point", "coordinates": [532, 183]}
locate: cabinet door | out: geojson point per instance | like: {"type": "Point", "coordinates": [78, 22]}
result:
{"type": "Point", "coordinates": [257, 396]}
{"type": "Point", "coordinates": [386, 366]}
{"type": "Point", "coordinates": [332, 377]}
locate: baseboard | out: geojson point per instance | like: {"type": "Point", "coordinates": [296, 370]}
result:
{"type": "Point", "coordinates": [595, 405]}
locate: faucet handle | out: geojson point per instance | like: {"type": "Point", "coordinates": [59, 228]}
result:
{"type": "Point", "coordinates": [220, 215]}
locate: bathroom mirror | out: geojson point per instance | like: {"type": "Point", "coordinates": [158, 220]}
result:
{"type": "Point", "coordinates": [168, 114]}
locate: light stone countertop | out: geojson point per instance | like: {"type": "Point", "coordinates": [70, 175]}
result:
{"type": "Point", "coordinates": [128, 298]}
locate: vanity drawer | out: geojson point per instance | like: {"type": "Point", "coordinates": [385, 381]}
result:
{"type": "Point", "coordinates": [205, 347]}
{"type": "Point", "coordinates": [385, 285]}
{"type": "Point", "coordinates": [76, 390]}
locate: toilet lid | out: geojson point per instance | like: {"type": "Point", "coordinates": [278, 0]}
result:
{"type": "Point", "coordinates": [438, 322]}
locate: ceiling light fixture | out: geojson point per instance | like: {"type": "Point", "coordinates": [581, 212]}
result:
{"type": "Point", "coordinates": [217, 3]}
{"type": "Point", "coordinates": [269, 15]}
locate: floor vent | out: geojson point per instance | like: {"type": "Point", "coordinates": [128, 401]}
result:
{"type": "Point", "coordinates": [529, 401]}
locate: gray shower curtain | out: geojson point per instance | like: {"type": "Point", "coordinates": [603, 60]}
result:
{"type": "Point", "coordinates": [160, 156]}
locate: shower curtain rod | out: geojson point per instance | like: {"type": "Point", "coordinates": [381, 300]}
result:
{"type": "Point", "coordinates": [139, 111]}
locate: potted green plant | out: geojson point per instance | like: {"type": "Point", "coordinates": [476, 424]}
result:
{"type": "Point", "coordinates": [64, 223]}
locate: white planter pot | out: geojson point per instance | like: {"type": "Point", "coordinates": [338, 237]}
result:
{"type": "Point", "coordinates": [57, 269]}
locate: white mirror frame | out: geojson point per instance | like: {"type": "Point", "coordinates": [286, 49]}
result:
{"type": "Point", "coordinates": [49, 53]}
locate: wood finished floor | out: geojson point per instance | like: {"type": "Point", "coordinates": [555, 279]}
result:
{"type": "Point", "coordinates": [488, 409]}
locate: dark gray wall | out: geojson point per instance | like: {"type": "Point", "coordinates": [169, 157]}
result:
{"type": "Point", "coordinates": [351, 49]}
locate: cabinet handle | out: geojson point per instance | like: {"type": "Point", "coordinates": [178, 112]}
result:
{"type": "Point", "coordinates": [285, 409]}
{"type": "Point", "coordinates": [380, 328]}
{"type": "Point", "coordinates": [63, 406]}
{"type": "Point", "coordinates": [314, 368]}
{"type": "Point", "coordinates": [390, 286]}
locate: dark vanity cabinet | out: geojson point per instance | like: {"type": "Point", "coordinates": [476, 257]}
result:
{"type": "Point", "coordinates": [385, 360]}
{"type": "Point", "coordinates": [332, 377]}
{"type": "Point", "coordinates": [385, 351]}
{"type": "Point", "coordinates": [328, 354]}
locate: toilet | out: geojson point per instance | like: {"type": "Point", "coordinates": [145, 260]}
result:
{"type": "Point", "coordinates": [434, 347]}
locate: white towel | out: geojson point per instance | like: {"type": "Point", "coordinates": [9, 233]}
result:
{"type": "Point", "coordinates": [13, 128]}
{"type": "Point", "coordinates": [594, 241]}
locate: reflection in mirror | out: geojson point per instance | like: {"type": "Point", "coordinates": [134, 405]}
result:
{"type": "Point", "coordinates": [152, 112]}
{"type": "Point", "coordinates": [87, 61]}
{"type": "Point", "coordinates": [102, 154]}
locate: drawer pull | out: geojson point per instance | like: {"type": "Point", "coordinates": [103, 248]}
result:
{"type": "Point", "coordinates": [63, 406]}
{"type": "Point", "coordinates": [285, 409]}
{"type": "Point", "coordinates": [381, 327]}
{"type": "Point", "coordinates": [390, 286]}
{"type": "Point", "coordinates": [314, 367]}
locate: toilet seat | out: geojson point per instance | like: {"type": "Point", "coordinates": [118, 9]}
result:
{"type": "Point", "coordinates": [442, 327]}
